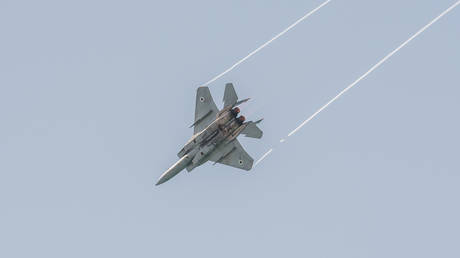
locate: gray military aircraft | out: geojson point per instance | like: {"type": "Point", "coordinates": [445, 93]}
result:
{"type": "Point", "coordinates": [215, 134]}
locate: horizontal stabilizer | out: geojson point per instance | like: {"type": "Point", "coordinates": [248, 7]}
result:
{"type": "Point", "coordinates": [252, 130]}
{"type": "Point", "coordinates": [241, 102]}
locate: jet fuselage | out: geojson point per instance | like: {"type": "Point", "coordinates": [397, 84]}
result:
{"type": "Point", "coordinates": [225, 128]}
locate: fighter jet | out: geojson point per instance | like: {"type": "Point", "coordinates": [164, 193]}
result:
{"type": "Point", "coordinates": [215, 135]}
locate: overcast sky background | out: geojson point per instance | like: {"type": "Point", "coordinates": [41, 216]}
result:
{"type": "Point", "coordinates": [96, 98]}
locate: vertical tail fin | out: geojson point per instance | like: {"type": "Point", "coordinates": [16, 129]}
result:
{"type": "Point", "coordinates": [230, 97]}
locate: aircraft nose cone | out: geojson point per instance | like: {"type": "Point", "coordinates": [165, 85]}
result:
{"type": "Point", "coordinates": [161, 180]}
{"type": "Point", "coordinates": [166, 176]}
{"type": "Point", "coordinates": [174, 170]}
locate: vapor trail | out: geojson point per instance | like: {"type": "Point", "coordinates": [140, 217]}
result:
{"type": "Point", "coordinates": [375, 67]}
{"type": "Point", "coordinates": [263, 157]}
{"type": "Point", "coordinates": [267, 43]}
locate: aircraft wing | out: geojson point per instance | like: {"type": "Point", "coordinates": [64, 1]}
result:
{"type": "Point", "coordinates": [205, 109]}
{"type": "Point", "coordinates": [232, 154]}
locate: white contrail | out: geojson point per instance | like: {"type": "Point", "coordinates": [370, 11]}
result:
{"type": "Point", "coordinates": [267, 43]}
{"type": "Point", "coordinates": [263, 157]}
{"type": "Point", "coordinates": [375, 67]}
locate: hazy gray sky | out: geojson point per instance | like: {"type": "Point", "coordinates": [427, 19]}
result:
{"type": "Point", "coordinates": [96, 98]}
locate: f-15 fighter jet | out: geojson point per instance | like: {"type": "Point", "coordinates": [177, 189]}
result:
{"type": "Point", "coordinates": [215, 134]}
